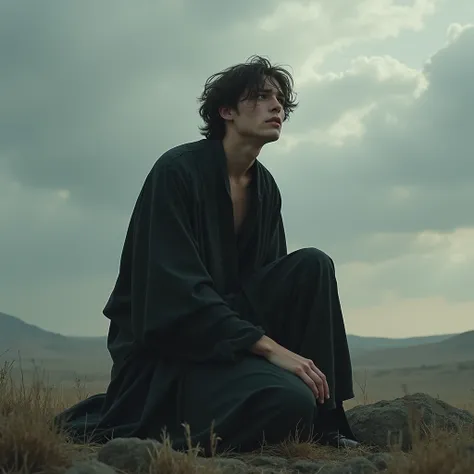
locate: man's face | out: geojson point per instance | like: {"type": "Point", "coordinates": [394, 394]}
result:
{"type": "Point", "coordinates": [260, 116]}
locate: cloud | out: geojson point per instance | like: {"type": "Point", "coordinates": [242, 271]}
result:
{"type": "Point", "coordinates": [455, 30]}
{"type": "Point", "coordinates": [427, 264]}
{"type": "Point", "coordinates": [375, 165]}
{"type": "Point", "coordinates": [345, 23]}
{"type": "Point", "coordinates": [47, 237]}
{"type": "Point", "coordinates": [329, 97]}
{"type": "Point", "coordinates": [408, 168]}
{"type": "Point", "coordinates": [408, 317]}
{"type": "Point", "coordinates": [90, 99]}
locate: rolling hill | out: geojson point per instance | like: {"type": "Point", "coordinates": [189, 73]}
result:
{"type": "Point", "coordinates": [89, 355]}
{"type": "Point", "coordinates": [361, 344]}
{"type": "Point", "coordinates": [454, 349]}
{"type": "Point", "coordinates": [27, 343]}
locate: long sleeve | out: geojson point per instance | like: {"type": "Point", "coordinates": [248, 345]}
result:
{"type": "Point", "coordinates": [175, 307]}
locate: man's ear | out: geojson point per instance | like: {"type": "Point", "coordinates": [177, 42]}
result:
{"type": "Point", "coordinates": [227, 113]}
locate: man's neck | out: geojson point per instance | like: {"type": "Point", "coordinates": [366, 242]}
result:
{"type": "Point", "coordinates": [240, 155]}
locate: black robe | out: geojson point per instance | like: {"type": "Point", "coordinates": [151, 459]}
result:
{"type": "Point", "coordinates": [181, 325]}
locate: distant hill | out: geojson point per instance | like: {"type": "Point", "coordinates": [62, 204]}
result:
{"type": "Point", "coordinates": [89, 355]}
{"type": "Point", "coordinates": [25, 343]}
{"type": "Point", "coordinates": [454, 349]}
{"type": "Point", "coordinates": [360, 344]}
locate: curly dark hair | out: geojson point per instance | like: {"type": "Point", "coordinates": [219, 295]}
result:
{"type": "Point", "coordinates": [225, 88]}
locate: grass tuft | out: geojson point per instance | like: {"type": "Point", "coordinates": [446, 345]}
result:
{"type": "Point", "coordinates": [443, 452]}
{"type": "Point", "coordinates": [164, 460]}
{"type": "Point", "coordinates": [28, 444]}
{"type": "Point", "coordinates": [296, 447]}
{"type": "Point", "coordinates": [434, 449]}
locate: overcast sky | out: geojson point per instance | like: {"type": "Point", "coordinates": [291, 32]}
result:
{"type": "Point", "coordinates": [376, 166]}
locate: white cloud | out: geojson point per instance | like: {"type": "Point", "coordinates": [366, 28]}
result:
{"type": "Point", "coordinates": [422, 265]}
{"type": "Point", "coordinates": [335, 105]}
{"type": "Point", "coordinates": [293, 15]}
{"type": "Point", "coordinates": [346, 23]}
{"type": "Point", "coordinates": [411, 168]}
{"type": "Point", "coordinates": [455, 30]}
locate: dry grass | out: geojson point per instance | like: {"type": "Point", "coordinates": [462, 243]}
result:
{"type": "Point", "coordinates": [296, 447]}
{"type": "Point", "coordinates": [27, 442]}
{"type": "Point", "coordinates": [29, 445]}
{"type": "Point", "coordinates": [435, 450]}
{"type": "Point", "coordinates": [442, 453]}
{"type": "Point", "coordinates": [165, 460]}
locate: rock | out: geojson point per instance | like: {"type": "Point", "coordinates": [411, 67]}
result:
{"type": "Point", "coordinates": [380, 460]}
{"type": "Point", "coordinates": [386, 423]}
{"type": "Point", "coordinates": [268, 462]}
{"type": "Point", "coordinates": [357, 465]}
{"type": "Point", "coordinates": [91, 466]}
{"type": "Point", "coordinates": [132, 455]}
{"type": "Point", "coordinates": [273, 462]}
{"type": "Point", "coordinates": [303, 466]}
{"type": "Point", "coordinates": [230, 465]}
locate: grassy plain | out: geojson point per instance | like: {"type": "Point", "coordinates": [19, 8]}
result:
{"type": "Point", "coordinates": [29, 399]}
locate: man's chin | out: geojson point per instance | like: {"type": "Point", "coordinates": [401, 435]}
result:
{"type": "Point", "coordinates": [260, 139]}
{"type": "Point", "coordinates": [270, 137]}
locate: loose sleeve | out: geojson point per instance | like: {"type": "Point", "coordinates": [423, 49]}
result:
{"type": "Point", "coordinates": [176, 310]}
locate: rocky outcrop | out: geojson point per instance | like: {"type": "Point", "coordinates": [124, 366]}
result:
{"type": "Point", "coordinates": [395, 422]}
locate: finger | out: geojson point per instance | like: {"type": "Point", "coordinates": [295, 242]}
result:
{"type": "Point", "coordinates": [326, 386]}
{"type": "Point", "coordinates": [323, 378]}
{"type": "Point", "coordinates": [318, 382]}
{"type": "Point", "coordinates": [325, 383]}
{"type": "Point", "coordinates": [308, 381]}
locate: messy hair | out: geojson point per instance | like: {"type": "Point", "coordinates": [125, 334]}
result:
{"type": "Point", "coordinates": [225, 89]}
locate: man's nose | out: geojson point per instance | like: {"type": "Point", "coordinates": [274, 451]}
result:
{"type": "Point", "coordinates": [276, 106]}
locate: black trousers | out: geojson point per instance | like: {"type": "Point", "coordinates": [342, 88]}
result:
{"type": "Point", "coordinates": [296, 301]}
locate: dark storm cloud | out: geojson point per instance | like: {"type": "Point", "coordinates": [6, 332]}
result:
{"type": "Point", "coordinates": [66, 120]}
{"type": "Point", "coordinates": [93, 93]}
{"type": "Point", "coordinates": [404, 177]}
{"type": "Point", "coordinates": [45, 237]}
{"type": "Point", "coordinates": [436, 151]}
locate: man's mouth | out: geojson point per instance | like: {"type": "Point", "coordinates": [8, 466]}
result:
{"type": "Point", "coordinates": [275, 120]}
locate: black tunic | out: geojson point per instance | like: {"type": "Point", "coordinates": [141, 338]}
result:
{"type": "Point", "coordinates": [190, 300]}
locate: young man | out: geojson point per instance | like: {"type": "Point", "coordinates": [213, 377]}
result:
{"type": "Point", "coordinates": [212, 323]}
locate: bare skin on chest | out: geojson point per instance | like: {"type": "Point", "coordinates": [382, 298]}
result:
{"type": "Point", "coordinates": [239, 195]}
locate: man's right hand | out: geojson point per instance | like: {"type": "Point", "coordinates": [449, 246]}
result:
{"type": "Point", "coordinates": [300, 366]}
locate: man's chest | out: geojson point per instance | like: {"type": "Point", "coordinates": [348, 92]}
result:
{"type": "Point", "coordinates": [239, 193]}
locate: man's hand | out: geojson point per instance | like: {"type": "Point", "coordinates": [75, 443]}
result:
{"type": "Point", "coordinates": [300, 366]}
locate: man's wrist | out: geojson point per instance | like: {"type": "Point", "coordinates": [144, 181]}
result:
{"type": "Point", "coordinates": [264, 347]}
